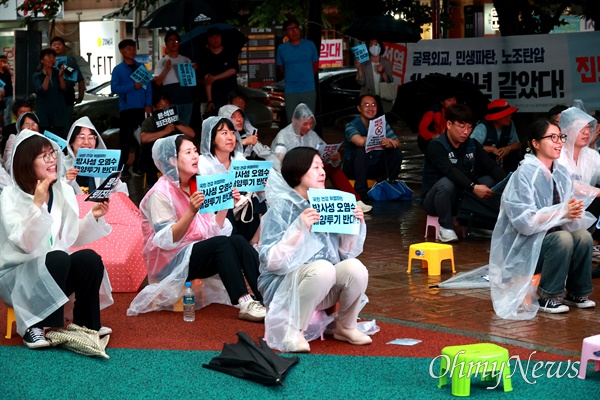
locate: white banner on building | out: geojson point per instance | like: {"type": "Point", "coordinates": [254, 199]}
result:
{"type": "Point", "coordinates": [99, 41]}
{"type": "Point", "coordinates": [534, 73]}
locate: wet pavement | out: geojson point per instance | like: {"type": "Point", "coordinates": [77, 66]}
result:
{"type": "Point", "coordinates": [408, 299]}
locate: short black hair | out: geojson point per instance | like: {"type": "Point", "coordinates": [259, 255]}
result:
{"type": "Point", "coordinates": [213, 134]}
{"type": "Point", "coordinates": [362, 96]}
{"type": "Point", "coordinates": [296, 163]}
{"type": "Point", "coordinates": [3, 57]}
{"type": "Point", "coordinates": [460, 113]}
{"type": "Point", "coordinates": [235, 94]}
{"type": "Point", "coordinates": [126, 42]}
{"type": "Point", "coordinates": [290, 22]}
{"type": "Point", "coordinates": [57, 39]}
{"type": "Point", "coordinates": [21, 103]}
{"type": "Point", "coordinates": [556, 110]}
{"type": "Point", "coordinates": [158, 96]}
{"type": "Point", "coordinates": [46, 52]}
{"type": "Point", "coordinates": [213, 31]}
{"type": "Point", "coordinates": [77, 131]}
{"type": "Point", "coordinates": [172, 33]}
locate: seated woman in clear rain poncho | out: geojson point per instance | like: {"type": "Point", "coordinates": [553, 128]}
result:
{"type": "Point", "coordinates": [83, 135]}
{"type": "Point", "coordinates": [39, 225]}
{"type": "Point", "coordinates": [303, 271]}
{"type": "Point", "coordinates": [300, 133]}
{"type": "Point", "coordinates": [253, 148]}
{"type": "Point", "coordinates": [541, 228]}
{"type": "Point", "coordinates": [220, 145]}
{"type": "Point", "coordinates": [181, 244]}
{"type": "Point", "coordinates": [582, 162]}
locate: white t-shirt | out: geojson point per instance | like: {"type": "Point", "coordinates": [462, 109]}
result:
{"type": "Point", "coordinates": [172, 76]}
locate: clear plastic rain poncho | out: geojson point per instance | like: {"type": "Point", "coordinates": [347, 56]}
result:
{"type": "Point", "coordinates": [28, 233]}
{"type": "Point", "coordinates": [167, 261]}
{"type": "Point", "coordinates": [10, 142]}
{"type": "Point", "coordinates": [586, 170]}
{"type": "Point", "coordinates": [286, 244]}
{"type": "Point", "coordinates": [259, 149]}
{"type": "Point", "coordinates": [290, 137]}
{"type": "Point", "coordinates": [526, 214]}
{"type": "Point", "coordinates": [209, 164]}
{"type": "Point", "coordinates": [85, 122]}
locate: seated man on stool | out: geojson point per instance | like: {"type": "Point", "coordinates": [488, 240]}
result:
{"type": "Point", "coordinates": [454, 163]}
{"type": "Point", "coordinates": [360, 165]}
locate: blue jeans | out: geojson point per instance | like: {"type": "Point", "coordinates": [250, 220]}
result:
{"type": "Point", "coordinates": [565, 262]}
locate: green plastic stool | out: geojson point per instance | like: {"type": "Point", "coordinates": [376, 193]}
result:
{"type": "Point", "coordinates": [485, 359]}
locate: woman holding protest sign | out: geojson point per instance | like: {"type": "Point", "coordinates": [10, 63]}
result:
{"type": "Point", "coordinates": [220, 145]}
{"type": "Point", "coordinates": [304, 271]}
{"type": "Point", "coordinates": [39, 225]}
{"type": "Point", "coordinates": [182, 244]}
{"type": "Point", "coordinates": [300, 133]}
{"type": "Point", "coordinates": [83, 135]}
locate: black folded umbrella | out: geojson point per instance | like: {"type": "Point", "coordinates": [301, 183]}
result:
{"type": "Point", "coordinates": [247, 360]}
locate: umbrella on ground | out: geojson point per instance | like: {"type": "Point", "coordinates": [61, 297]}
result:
{"type": "Point", "coordinates": [384, 28]}
{"type": "Point", "coordinates": [121, 250]}
{"type": "Point", "coordinates": [479, 278]}
{"type": "Point", "coordinates": [183, 14]}
{"type": "Point", "coordinates": [80, 340]}
{"type": "Point", "coordinates": [247, 360]}
{"type": "Point", "coordinates": [416, 97]}
{"type": "Point", "coordinates": [193, 42]}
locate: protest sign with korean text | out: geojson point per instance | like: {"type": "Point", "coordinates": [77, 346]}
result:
{"type": "Point", "coordinates": [360, 52]}
{"type": "Point", "coordinates": [532, 72]}
{"type": "Point", "coordinates": [250, 176]}
{"type": "Point", "coordinates": [186, 74]}
{"type": "Point", "coordinates": [70, 74]}
{"type": "Point", "coordinates": [377, 128]}
{"type": "Point", "coordinates": [217, 192]}
{"type": "Point", "coordinates": [336, 210]}
{"type": "Point", "coordinates": [97, 163]}
{"type": "Point", "coordinates": [327, 150]}
{"type": "Point", "coordinates": [165, 117]}
{"type": "Point", "coordinates": [2, 84]}
{"type": "Point", "coordinates": [56, 139]}
{"type": "Point", "coordinates": [102, 193]}
{"type": "Point", "coordinates": [142, 75]}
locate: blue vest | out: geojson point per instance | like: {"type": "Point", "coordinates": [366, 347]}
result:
{"type": "Point", "coordinates": [492, 135]}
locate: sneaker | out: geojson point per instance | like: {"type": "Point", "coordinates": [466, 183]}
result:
{"type": "Point", "coordinates": [364, 207]}
{"type": "Point", "coordinates": [552, 305]}
{"type": "Point", "coordinates": [252, 311]}
{"type": "Point", "coordinates": [579, 301]}
{"type": "Point", "coordinates": [447, 235]}
{"type": "Point", "coordinates": [34, 338]}
{"type": "Point", "coordinates": [104, 330]}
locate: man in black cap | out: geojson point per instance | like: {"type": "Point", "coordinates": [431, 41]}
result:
{"type": "Point", "coordinates": [217, 67]}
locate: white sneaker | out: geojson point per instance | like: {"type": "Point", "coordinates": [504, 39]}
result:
{"type": "Point", "coordinates": [364, 207]}
{"type": "Point", "coordinates": [447, 235]}
{"type": "Point", "coordinates": [104, 330]}
{"type": "Point", "coordinates": [252, 311]}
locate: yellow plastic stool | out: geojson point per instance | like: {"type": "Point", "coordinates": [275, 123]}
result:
{"type": "Point", "coordinates": [370, 182]}
{"type": "Point", "coordinates": [431, 256]}
{"type": "Point", "coordinates": [10, 318]}
{"type": "Point", "coordinates": [488, 360]}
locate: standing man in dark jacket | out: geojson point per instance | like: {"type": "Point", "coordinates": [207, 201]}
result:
{"type": "Point", "coordinates": [134, 101]}
{"type": "Point", "coordinates": [455, 163]}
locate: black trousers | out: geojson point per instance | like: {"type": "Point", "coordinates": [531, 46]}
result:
{"type": "Point", "coordinates": [129, 121]}
{"type": "Point", "coordinates": [232, 258]}
{"type": "Point", "coordinates": [361, 169]}
{"type": "Point", "coordinates": [80, 273]}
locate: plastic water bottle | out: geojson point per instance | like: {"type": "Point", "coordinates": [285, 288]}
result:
{"type": "Point", "coordinates": [189, 305]}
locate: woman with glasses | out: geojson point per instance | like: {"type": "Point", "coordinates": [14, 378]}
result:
{"type": "Point", "coordinates": [541, 229]}
{"type": "Point", "coordinates": [39, 225]}
{"type": "Point", "coordinates": [27, 120]}
{"type": "Point", "coordinates": [83, 135]}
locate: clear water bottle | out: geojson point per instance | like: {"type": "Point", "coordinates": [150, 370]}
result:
{"type": "Point", "coordinates": [189, 305]}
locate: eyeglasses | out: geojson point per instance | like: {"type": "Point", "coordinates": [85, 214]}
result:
{"type": "Point", "coordinates": [463, 127]}
{"type": "Point", "coordinates": [84, 138]}
{"type": "Point", "coordinates": [370, 105]}
{"type": "Point", "coordinates": [173, 40]}
{"type": "Point", "coordinates": [556, 138]}
{"type": "Point", "coordinates": [292, 28]}
{"type": "Point", "coordinates": [29, 125]}
{"type": "Point", "coordinates": [49, 157]}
